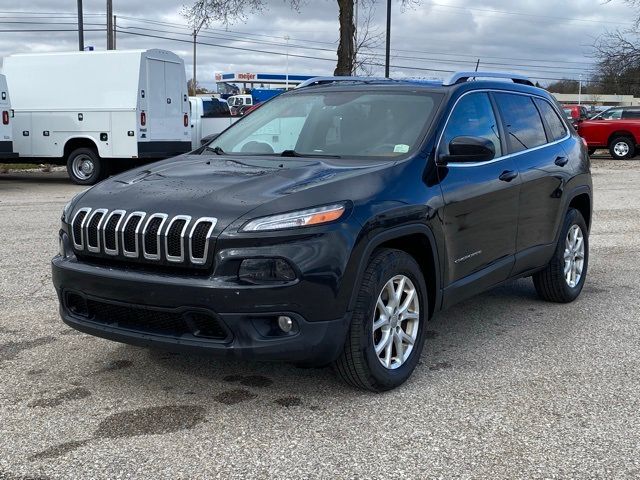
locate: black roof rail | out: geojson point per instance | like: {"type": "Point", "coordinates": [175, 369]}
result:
{"type": "Point", "coordinates": [461, 77]}
{"type": "Point", "coordinates": [325, 80]}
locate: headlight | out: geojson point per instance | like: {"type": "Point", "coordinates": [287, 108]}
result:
{"type": "Point", "coordinates": [300, 218]}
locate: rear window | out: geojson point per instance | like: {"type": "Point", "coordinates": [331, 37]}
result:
{"type": "Point", "coordinates": [557, 129]}
{"type": "Point", "coordinates": [631, 114]}
{"type": "Point", "coordinates": [215, 108]}
{"type": "Point", "coordinates": [522, 121]}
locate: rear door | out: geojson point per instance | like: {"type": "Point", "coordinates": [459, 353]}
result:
{"type": "Point", "coordinates": [534, 138]}
{"type": "Point", "coordinates": [165, 102]}
{"type": "Point", "coordinates": [480, 202]}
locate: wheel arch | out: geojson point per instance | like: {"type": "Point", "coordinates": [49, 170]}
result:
{"type": "Point", "coordinates": [621, 133]}
{"type": "Point", "coordinates": [581, 201]}
{"type": "Point", "coordinates": [419, 242]}
{"type": "Point", "coordinates": [79, 142]}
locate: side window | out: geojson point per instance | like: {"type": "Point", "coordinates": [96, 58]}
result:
{"type": "Point", "coordinates": [613, 114]}
{"type": "Point", "coordinates": [634, 114]}
{"type": "Point", "coordinates": [473, 117]}
{"type": "Point", "coordinates": [556, 126]}
{"type": "Point", "coordinates": [522, 121]}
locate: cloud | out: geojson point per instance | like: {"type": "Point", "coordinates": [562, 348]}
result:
{"type": "Point", "coordinates": [544, 39]}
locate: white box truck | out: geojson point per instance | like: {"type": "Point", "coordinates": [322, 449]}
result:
{"type": "Point", "coordinates": [6, 143]}
{"type": "Point", "coordinates": [90, 108]}
{"type": "Point", "coordinates": [209, 117]}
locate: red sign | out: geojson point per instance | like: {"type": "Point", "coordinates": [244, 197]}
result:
{"type": "Point", "coordinates": [246, 76]}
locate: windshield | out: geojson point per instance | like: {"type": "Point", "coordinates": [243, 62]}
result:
{"type": "Point", "coordinates": [611, 114]}
{"type": "Point", "coordinates": [346, 123]}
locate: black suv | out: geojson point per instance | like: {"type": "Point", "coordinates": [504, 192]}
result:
{"type": "Point", "coordinates": [332, 223]}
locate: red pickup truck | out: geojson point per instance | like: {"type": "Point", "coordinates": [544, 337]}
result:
{"type": "Point", "coordinates": [620, 136]}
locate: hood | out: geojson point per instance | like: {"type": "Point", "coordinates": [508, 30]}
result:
{"type": "Point", "coordinates": [226, 187]}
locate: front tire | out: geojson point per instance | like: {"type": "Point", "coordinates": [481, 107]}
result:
{"type": "Point", "coordinates": [386, 336]}
{"type": "Point", "coordinates": [563, 278]}
{"type": "Point", "coordinates": [85, 167]}
{"type": "Point", "coordinates": [622, 148]}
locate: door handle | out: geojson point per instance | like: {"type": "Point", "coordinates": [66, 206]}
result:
{"type": "Point", "coordinates": [508, 175]}
{"type": "Point", "coordinates": [561, 161]}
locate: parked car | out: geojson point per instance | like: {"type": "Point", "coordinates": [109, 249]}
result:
{"type": "Point", "coordinates": [575, 113]}
{"type": "Point", "coordinates": [209, 116]}
{"type": "Point", "coordinates": [92, 110]}
{"type": "Point", "coordinates": [6, 135]}
{"type": "Point", "coordinates": [332, 223]}
{"type": "Point", "coordinates": [619, 136]}
{"type": "Point", "coordinates": [619, 113]}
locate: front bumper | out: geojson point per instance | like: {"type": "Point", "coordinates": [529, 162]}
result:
{"type": "Point", "coordinates": [246, 327]}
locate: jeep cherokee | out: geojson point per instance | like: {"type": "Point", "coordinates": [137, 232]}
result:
{"type": "Point", "coordinates": [332, 223]}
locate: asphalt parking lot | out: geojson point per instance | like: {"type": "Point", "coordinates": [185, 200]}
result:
{"type": "Point", "coordinates": [508, 386]}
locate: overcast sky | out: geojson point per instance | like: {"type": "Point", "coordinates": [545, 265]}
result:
{"type": "Point", "coordinates": [545, 39]}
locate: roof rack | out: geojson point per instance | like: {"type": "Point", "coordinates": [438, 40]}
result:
{"type": "Point", "coordinates": [461, 77]}
{"type": "Point", "coordinates": [324, 80]}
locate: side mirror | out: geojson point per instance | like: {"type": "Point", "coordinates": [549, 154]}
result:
{"type": "Point", "coordinates": [469, 149]}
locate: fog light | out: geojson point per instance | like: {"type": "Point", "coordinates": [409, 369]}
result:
{"type": "Point", "coordinates": [61, 250]}
{"type": "Point", "coordinates": [265, 270]}
{"type": "Point", "coordinates": [285, 324]}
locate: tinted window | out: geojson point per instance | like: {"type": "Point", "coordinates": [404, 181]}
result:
{"type": "Point", "coordinates": [612, 114]}
{"type": "Point", "coordinates": [472, 117]}
{"type": "Point", "coordinates": [522, 120]}
{"type": "Point", "coordinates": [215, 108]}
{"type": "Point", "coordinates": [633, 114]}
{"type": "Point", "coordinates": [557, 129]}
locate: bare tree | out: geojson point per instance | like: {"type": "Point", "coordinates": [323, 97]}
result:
{"type": "Point", "coordinates": [205, 12]}
{"type": "Point", "coordinates": [368, 37]}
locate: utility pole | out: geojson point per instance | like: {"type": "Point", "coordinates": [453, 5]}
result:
{"type": "Point", "coordinates": [109, 24]}
{"type": "Point", "coordinates": [80, 27]}
{"type": "Point", "coordinates": [388, 47]}
{"type": "Point", "coordinates": [195, 36]}
{"type": "Point", "coordinates": [355, 36]}
{"type": "Point", "coordinates": [580, 90]}
{"type": "Point", "coordinates": [286, 86]}
{"type": "Point", "coordinates": [114, 32]}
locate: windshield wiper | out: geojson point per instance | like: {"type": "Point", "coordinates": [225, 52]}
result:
{"type": "Point", "coordinates": [293, 153]}
{"type": "Point", "coordinates": [217, 150]}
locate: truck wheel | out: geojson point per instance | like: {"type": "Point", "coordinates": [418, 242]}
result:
{"type": "Point", "coordinates": [85, 167]}
{"type": "Point", "coordinates": [562, 279]}
{"type": "Point", "coordinates": [386, 336]}
{"type": "Point", "coordinates": [622, 147]}
{"type": "Point", "coordinates": [592, 151]}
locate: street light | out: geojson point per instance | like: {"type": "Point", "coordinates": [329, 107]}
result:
{"type": "Point", "coordinates": [388, 47]}
{"type": "Point", "coordinates": [195, 35]}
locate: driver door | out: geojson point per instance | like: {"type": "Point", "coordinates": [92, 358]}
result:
{"type": "Point", "coordinates": [480, 214]}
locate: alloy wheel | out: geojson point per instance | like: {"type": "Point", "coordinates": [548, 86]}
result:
{"type": "Point", "coordinates": [574, 256]}
{"type": "Point", "coordinates": [396, 322]}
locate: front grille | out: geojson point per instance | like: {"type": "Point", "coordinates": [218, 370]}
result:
{"type": "Point", "coordinates": [153, 320]}
{"type": "Point", "coordinates": [140, 237]}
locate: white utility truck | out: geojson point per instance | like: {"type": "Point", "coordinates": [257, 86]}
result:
{"type": "Point", "coordinates": [90, 108]}
{"type": "Point", "coordinates": [6, 143]}
{"type": "Point", "coordinates": [209, 117]}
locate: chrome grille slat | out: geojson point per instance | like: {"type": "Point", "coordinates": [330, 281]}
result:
{"type": "Point", "coordinates": [142, 236]}
{"type": "Point", "coordinates": [91, 229]}
{"type": "Point", "coordinates": [203, 259]}
{"type": "Point", "coordinates": [168, 235]}
{"type": "Point", "coordinates": [120, 215]}
{"type": "Point", "coordinates": [78, 230]}
{"type": "Point", "coordinates": [136, 232]}
{"type": "Point", "coordinates": [148, 255]}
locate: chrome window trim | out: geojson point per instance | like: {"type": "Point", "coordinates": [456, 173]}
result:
{"type": "Point", "coordinates": [173, 258]}
{"type": "Point", "coordinates": [122, 214]}
{"type": "Point", "coordinates": [104, 211]}
{"type": "Point", "coordinates": [503, 157]}
{"type": "Point", "coordinates": [136, 253]}
{"type": "Point", "coordinates": [201, 260]}
{"type": "Point", "coordinates": [150, 256]}
{"type": "Point", "coordinates": [79, 246]}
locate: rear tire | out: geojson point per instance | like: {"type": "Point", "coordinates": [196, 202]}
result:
{"type": "Point", "coordinates": [394, 323]}
{"type": "Point", "coordinates": [559, 282]}
{"type": "Point", "coordinates": [592, 151]}
{"type": "Point", "coordinates": [85, 167]}
{"type": "Point", "coordinates": [622, 148]}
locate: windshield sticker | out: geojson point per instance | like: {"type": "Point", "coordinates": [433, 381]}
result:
{"type": "Point", "coordinates": [401, 148]}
